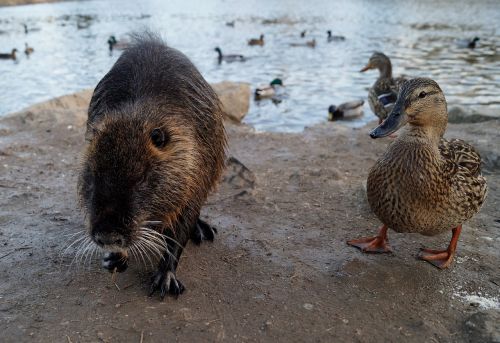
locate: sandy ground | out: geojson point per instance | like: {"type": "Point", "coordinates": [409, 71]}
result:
{"type": "Point", "coordinates": [25, 2]}
{"type": "Point", "coordinates": [279, 269]}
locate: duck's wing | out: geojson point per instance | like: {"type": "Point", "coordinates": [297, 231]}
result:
{"type": "Point", "coordinates": [460, 158]}
{"type": "Point", "coordinates": [382, 97]}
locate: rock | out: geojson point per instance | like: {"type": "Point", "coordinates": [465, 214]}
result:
{"type": "Point", "coordinates": [458, 115]}
{"type": "Point", "coordinates": [235, 98]}
{"type": "Point", "coordinates": [484, 326]}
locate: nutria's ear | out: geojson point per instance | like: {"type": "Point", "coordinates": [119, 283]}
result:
{"type": "Point", "coordinates": [92, 130]}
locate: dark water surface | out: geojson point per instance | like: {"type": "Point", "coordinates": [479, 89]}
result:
{"type": "Point", "coordinates": [419, 36]}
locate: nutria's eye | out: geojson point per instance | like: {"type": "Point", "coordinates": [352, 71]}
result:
{"type": "Point", "coordinates": [422, 94]}
{"type": "Point", "coordinates": [159, 138]}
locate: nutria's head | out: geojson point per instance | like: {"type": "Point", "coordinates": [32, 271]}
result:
{"type": "Point", "coordinates": [139, 169]}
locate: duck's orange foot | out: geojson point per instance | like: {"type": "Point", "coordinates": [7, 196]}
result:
{"type": "Point", "coordinates": [438, 258]}
{"type": "Point", "coordinates": [374, 245]}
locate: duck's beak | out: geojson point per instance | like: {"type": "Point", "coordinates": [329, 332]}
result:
{"type": "Point", "coordinates": [366, 67]}
{"type": "Point", "coordinates": [392, 123]}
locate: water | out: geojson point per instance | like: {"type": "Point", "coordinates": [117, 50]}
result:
{"type": "Point", "coordinates": [419, 36]}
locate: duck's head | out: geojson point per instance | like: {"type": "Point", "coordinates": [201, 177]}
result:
{"type": "Point", "coordinates": [261, 37]}
{"type": "Point", "coordinates": [334, 113]}
{"type": "Point", "coordinates": [475, 39]}
{"type": "Point", "coordinates": [218, 50]}
{"type": "Point", "coordinates": [377, 61]}
{"type": "Point", "coordinates": [276, 82]}
{"type": "Point", "coordinates": [303, 33]}
{"type": "Point", "coordinates": [421, 103]}
{"type": "Point", "coordinates": [329, 33]}
{"type": "Point", "coordinates": [14, 51]}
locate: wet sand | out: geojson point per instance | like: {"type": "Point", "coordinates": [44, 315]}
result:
{"type": "Point", "coordinates": [279, 269]}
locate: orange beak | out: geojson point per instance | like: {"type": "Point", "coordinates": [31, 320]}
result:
{"type": "Point", "coordinates": [366, 67]}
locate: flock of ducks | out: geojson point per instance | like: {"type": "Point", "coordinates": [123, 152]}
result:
{"type": "Point", "coordinates": [422, 183]}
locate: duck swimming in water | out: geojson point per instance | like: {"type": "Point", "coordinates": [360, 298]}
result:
{"type": "Point", "coordinates": [229, 58]}
{"type": "Point", "coordinates": [11, 56]}
{"type": "Point", "coordinates": [382, 95]}
{"type": "Point", "coordinates": [268, 91]}
{"type": "Point", "coordinates": [257, 41]}
{"type": "Point", "coordinates": [423, 183]}
{"type": "Point", "coordinates": [347, 110]}
{"type": "Point", "coordinates": [468, 43]}
{"type": "Point", "coordinates": [332, 38]}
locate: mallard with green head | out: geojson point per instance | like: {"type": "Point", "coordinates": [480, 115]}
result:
{"type": "Point", "coordinates": [423, 183]}
{"type": "Point", "coordinates": [268, 91]}
{"type": "Point", "coordinates": [346, 111]}
{"type": "Point", "coordinates": [382, 95]}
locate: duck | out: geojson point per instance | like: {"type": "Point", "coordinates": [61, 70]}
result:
{"type": "Point", "coordinates": [422, 183]}
{"type": "Point", "coordinates": [28, 50]}
{"type": "Point", "coordinates": [331, 38]}
{"type": "Point", "coordinates": [11, 56]}
{"type": "Point", "coordinates": [347, 110]}
{"type": "Point", "coordinates": [32, 29]}
{"type": "Point", "coordinates": [383, 94]}
{"type": "Point", "coordinates": [257, 41]}
{"type": "Point", "coordinates": [230, 23]}
{"type": "Point", "coordinates": [468, 43]}
{"type": "Point", "coordinates": [115, 44]}
{"type": "Point", "coordinates": [229, 58]}
{"type": "Point", "coordinates": [311, 44]}
{"type": "Point", "coordinates": [268, 91]}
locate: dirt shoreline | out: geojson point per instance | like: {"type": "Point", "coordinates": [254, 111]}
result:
{"type": "Point", "coordinates": [27, 2]}
{"type": "Point", "coordinates": [279, 269]}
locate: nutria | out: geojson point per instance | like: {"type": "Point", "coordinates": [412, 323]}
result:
{"type": "Point", "coordinates": [156, 148]}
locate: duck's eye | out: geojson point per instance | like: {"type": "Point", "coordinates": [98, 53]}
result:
{"type": "Point", "coordinates": [422, 95]}
{"type": "Point", "coordinates": [159, 138]}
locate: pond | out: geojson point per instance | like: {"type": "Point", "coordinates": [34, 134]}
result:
{"type": "Point", "coordinates": [71, 51]}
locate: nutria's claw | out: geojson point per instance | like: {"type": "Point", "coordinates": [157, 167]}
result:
{"type": "Point", "coordinates": [203, 232]}
{"type": "Point", "coordinates": [115, 261]}
{"type": "Point", "coordinates": [167, 284]}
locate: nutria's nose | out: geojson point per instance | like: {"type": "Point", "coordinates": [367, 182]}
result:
{"type": "Point", "coordinates": [104, 239]}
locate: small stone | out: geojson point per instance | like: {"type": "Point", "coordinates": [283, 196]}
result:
{"type": "Point", "coordinates": [308, 306]}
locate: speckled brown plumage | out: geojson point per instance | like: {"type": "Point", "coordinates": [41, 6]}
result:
{"type": "Point", "coordinates": [385, 86]}
{"type": "Point", "coordinates": [423, 183]}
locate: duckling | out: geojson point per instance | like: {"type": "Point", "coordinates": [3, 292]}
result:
{"type": "Point", "coordinates": [347, 110]}
{"type": "Point", "coordinates": [331, 38]}
{"type": "Point", "coordinates": [229, 58]}
{"type": "Point", "coordinates": [11, 56]}
{"type": "Point", "coordinates": [384, 92]}
{"type": "Point", "coordinates": [257, 41]}
{"type": "Point", "coordinates": [423, 183]}
{"type": "Point", "coordinates": [468, 43]}
{"type": "Point", "coordinates": [118, 45]}
{"type": "Point", "coordinates": [268, 91]}
{"type": "Point", "coordinates": [311, 44]}
{"type": "Point", "coordinates": [28, 50]}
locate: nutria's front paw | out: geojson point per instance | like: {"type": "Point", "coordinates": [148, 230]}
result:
{"type": "Point", "coordinates": [166, 283]}
{"type": "Point", "coordinates": [203, 232]}
{"type": "Point", "coordinates": [115, 261]}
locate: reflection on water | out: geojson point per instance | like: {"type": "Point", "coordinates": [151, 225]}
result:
{"type": "Point", "coordinates": [71, 51]}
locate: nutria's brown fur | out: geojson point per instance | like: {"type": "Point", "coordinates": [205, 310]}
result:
{"type": "Point", "coordinates": [156, 148]}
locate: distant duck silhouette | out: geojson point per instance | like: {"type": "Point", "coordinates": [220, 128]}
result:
{"type": "Point", "coordinates": [311, 44]}
{"type": "Point", "coordinates": [268, 91]}
{"type": "Point", "coordinates": [118, 45]}
{"type": "Point", "coordinates": [32, 29]}
{"type": "Point", "coordinates": [230, 23]}
{"type": "Point", "coordinates": [229, 58]}
{"type": "Point", "coordinates": [331, 38]}
{"type": "Point", "coordinates": [11, 56]}
{"type": "Point", "coordinates": [303, 34]}
{"type": "Point", "coordinates": [347, 110]}
{"type": "Point", "coordinates": [257, 41]}
{"type": "Point", "coordinates": [468, 43]}
{"type": "Point", "coordinates": [28, 50]}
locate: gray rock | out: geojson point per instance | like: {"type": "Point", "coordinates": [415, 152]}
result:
{"type": "Point", "coordinates": [459, 114]}
{"type": "Point", "coordinates": [484, 327]}
{"type": "Point", "coordinates": [235, 98]}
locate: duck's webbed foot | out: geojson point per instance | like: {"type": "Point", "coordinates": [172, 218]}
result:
{"type": "Point", "coordinates": [376, 245]}
{"type": "Point", "coordinates": [442, 258]}
{"type": "Point", "coordinates": [115, 261]}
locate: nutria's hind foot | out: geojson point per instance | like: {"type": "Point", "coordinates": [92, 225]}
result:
{"type": "Point", "coordinates": [166, 283]}
{"type": "Point", "coordinates": [115, 261]}
{"type": "Point", "coordinates": [203, 232]}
